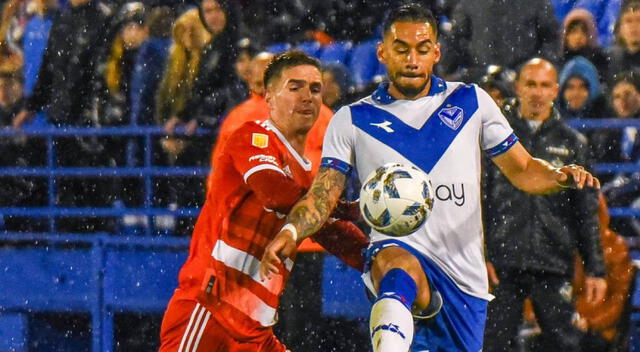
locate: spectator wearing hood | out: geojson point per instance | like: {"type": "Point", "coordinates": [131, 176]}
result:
{"type": "Point", "coordinates": [580, 38]}
{"type": "Point", "coordinates": [580, 90]}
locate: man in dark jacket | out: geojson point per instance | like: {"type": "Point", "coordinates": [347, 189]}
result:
{"type": "Point", "coordinates": [532, 240]}
{"type": "Point", "coordinates": [500, 32]}
{"type": "Point", "coordinates": [66, 81]}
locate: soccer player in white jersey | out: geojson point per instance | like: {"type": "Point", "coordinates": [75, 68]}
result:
{"type": "Point", "coordinates": [438, 272]}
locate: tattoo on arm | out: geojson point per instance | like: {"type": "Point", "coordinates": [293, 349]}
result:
{"type": "Point", "coordinates": [310, 213]}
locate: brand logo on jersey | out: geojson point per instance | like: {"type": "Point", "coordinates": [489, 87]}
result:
{"type": "Point", "coordinates": [384, 125]}
{"type": "Point", "coordinates": [259, 140]}
{"type": "Point", "coordinates": [262, 158]}
{"type": "Point", "coordinates": [287, 171]}
{"type": "Point", "coordinates": [452, 116]}
{"type": "Point", "coordinates": [453, 192]}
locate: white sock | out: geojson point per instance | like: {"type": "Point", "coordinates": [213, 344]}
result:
{"type": "Point", "coordinates": [390, 326]}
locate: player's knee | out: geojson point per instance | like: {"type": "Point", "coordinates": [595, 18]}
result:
{"type": "Point", "coordinates": [396, 258]}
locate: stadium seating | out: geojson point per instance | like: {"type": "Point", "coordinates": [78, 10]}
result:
{"type": "Point", "coordinates": [363, 63]}
{"type": "Point", "coordinates": [337, 52]}
{"type": "Point", "coordinates": [277, 48]}
{"type": "Point", "coordinates": [311, 48]}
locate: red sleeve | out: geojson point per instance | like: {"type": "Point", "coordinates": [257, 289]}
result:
{"type": "Point", "coordinates": [251, 149]}
{"type": "Point", "coordinates": [344, 240]}
{"type": "Point", "coordinates": [265, 183]}
{"type": "Point", "coordinates": [257, 158]}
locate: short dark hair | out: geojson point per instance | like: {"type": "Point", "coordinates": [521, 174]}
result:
{"type": "Point", "coordinates": [631, 77]}
{"type": "Point", "coordinates": [411, 12]}
{"type": "Point", "coordinates": [285, 60]}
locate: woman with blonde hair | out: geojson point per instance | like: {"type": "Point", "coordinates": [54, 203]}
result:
{"type": "Point", "coordinates": [189, 38]}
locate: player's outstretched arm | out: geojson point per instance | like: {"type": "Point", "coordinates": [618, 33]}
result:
{"type": "Point", "coordinates": [537, 176]}
{"type": "Point", "coordinates": [305, 218]}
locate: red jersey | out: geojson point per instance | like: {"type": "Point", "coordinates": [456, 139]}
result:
{"type": "Point", "coordinates": [256, 108]}
{"type": "Point", "coordinates": [233, 229]}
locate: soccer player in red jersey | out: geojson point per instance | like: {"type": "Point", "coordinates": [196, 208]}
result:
{"type": "Point", "coordinates": [257, 108]}
{"type": "Point", "coordinates": [221, 303]}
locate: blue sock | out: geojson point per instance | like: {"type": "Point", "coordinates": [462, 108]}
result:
{"type": "Point", "coordinates": [398, 284]}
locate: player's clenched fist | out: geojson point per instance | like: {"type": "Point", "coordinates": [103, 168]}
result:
{"type": "Point", "coordinates": [283, 246]}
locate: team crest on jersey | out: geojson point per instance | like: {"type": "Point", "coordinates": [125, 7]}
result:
{"type": "Point", "coordinates": [260, 140]}
{"type": "Point", "coordinates": [452, 116]}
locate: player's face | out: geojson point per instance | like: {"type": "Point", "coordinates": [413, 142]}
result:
{"type": "Point", "coordinates": [295, 98]}
{"type": "Point", "coordinates": [537, 88]}
{"type": "Point", "coordinates": [409, 51]}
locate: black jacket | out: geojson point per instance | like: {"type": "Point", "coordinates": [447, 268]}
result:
{"type": "Point", "coordinates": [69, 73]}
{"type": "Point", "coordinates": [538, 233]}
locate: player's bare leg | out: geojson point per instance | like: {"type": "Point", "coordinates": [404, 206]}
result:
{"type": "Point", "coordinates": [402, 286]}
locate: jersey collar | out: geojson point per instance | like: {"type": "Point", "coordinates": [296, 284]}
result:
{"type": "Point", "coordinates": [381, 94]}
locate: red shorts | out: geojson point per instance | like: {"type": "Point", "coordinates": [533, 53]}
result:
{"type": "Point", "coordinates": [188, 327]}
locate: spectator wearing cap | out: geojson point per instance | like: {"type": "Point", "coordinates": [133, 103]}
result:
{"type": "Point", "coordinates": [246, 52]}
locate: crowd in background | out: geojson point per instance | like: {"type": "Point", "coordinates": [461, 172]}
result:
{"type": "Point", "coordinates": [117, 63]}
{"type": "Point", "coordinates": [95, 63]}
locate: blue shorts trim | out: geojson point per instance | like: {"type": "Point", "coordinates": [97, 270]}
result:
{"type": "Point", "coordinates": [460, 324]}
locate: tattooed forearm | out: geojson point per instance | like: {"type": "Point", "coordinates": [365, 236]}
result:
{"type": "Point", "coordinates": [314, 208]}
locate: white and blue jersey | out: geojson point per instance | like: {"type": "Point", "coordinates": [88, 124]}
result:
{"type": "Point", "coordinates": [442, 134]}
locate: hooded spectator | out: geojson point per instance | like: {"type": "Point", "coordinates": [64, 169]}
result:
{"type": "Point", "coordinates": [580, 38]}
{"type": "Point", "coordinates": [580, 90]}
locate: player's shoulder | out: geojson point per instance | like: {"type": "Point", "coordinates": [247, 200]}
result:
{"type": "Point", "coordinates": [452, 86]}
{"type": "Point", "coordinates": [258, 133]}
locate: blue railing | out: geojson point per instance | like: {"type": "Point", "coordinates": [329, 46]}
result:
{"type": "Point", "coordinates": [147, 171]}
{"type": "Point", "coordinates": [143, 168]}
{"type": "Point", "coordinates": [104, 274]}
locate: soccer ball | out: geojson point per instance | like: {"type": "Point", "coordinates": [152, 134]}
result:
{"type": "Point", "coordinates": [396, 199]}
